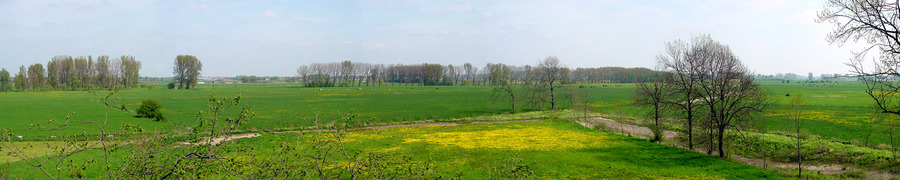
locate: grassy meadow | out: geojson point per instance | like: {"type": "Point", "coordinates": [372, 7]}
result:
{"type": "Point", "coordinates": [278, 106]}
{"type": "Point", "coordinates": [547, 149]}
{"type": "Point", "coordinates": [551, 148]}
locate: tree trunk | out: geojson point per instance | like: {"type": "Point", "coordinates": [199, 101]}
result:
{"type": "Point", "coordinates": [656, 134]}
{"type": "Point", "coordinates": [512, 97]}
{"type": "Point", "coordinates": [690, 118]}
{"type": "Point", "coordinates": [799, 156]}
{"type": "Point", "coordinates": [552, 98]}
{"type": "Point", "coordinates": [721, 141]}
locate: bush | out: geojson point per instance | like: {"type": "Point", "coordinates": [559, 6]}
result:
{"type": "Point", "coordinates": [319, 84]}
{"type": "Point", "coordinates": [150, 109]}
{"type": "Point", "coordinates": [171, 85]}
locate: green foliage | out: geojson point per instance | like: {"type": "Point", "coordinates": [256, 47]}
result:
{"type": "Point", "coordinates": [151, 109]}
{"type": "Point", "coordinates": [171, 85]}
{"type": "Point", "coordinates": [319, 84]}
{"type": "Point", "coordinates": [780, 147]}
{"type": "Point", "coordinates": [77, 171]}
{"type": "Point", "coordinates": [513, 168]}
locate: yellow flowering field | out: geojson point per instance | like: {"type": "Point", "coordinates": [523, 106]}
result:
{"type": "Point", "coordinates": [514, 138]}
{"type": "Point", "coordinates": [551, 149]}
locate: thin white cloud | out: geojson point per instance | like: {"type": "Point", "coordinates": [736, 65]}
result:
{"type": "Point", "coordinates": [377, 46]}
{"type": "Point", "coordinates": [303, 43]}
{"type": "Point", "coordinates": [461, 8]}
{"type": "Point", "coordinates": [200, 6]}
{"type": "Point", "coordinates": [665, 15]}
{"type": "Point", "coordinates": [272, 14]}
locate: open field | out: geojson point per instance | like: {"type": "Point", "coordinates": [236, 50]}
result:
{"type": "Point", "coordinates": [548, 149]}
{"type": "Point", "coordinates": [836, 111]}
{"type": "Point", "coordinates": [276, 105]}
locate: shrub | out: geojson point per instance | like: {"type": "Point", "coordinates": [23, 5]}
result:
{"type": "Point", "coordinates": [319, 84]}
{"type": "Point", "coordinates": [171, 85]}
{"type": "Point", "coordinates": [150, 109]}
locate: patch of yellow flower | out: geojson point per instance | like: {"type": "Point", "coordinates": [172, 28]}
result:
{"type": "Point", "coordinates": [527, 138]}
{"type": "Point", "coordinates": [691, 177]}
{"type": "Point", "coordinates": [362, 135]}
{"type": "Point", "coordinates": [819, 115]}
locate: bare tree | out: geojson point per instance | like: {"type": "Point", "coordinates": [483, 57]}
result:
{"type": "Point", "coordinates": [652, 95]}
{"type": "Point", "coordinates": [728, 89]}
{"type": "Point", "coordinates": [502, 78]}
{"type": "Point", "coordinates": [686, 73]}
{"type": "Point", "coordinates": [303, 73]}
{"type": "Point", "coordinates": [470, 73]}
{"type": "Point", "coordinates": [360, 72]}
{"type": "Point", "coordinates": [874, 22]}
{"type": "Point", "coordinates": [551, 77]}
{"type": "Point", "coordinates": [796, 117]}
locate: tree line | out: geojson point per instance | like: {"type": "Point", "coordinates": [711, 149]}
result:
{"type": "Point", "coordinates": [349, 73]}
{"type": "Point", "coordinates": [74, 73]}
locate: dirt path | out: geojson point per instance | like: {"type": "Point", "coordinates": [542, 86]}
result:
{"type": "Point", "coordinates": [627, 129]}
{"type": "Point", "coordinates": [221, 139]}
{"type": "Point", "coordinates": [824, 169]}
{"type": "Point", "coordinates": [645, 133]}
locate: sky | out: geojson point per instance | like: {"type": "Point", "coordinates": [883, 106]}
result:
{"type": "Point", "coordinates": [273, 38]}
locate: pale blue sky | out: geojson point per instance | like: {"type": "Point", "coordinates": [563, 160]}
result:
{"type": "Point", "coordinates": [275, 37]}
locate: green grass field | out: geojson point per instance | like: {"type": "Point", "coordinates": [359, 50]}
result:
{"type": "Point", "coordinates": [550, 149]}
{"type": "Point", "coordinates": [838, 110]}
{"type": "Point", "coordinates": [276, 105]}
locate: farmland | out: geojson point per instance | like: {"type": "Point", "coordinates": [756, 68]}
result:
{"type": "Point", "coordinates": [546, 149]}
{"type": "Point", "coordinates": [277, 105]}
{"type": "Point", "coordinates": [837, 110]}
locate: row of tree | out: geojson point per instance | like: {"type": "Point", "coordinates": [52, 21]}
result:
{"type": "Point", "coordinates": [541, 84]}
{"type": "Point", "coordinates": [68, 73]}
{"type": "Point", "coordinates": [349, 73]}
{"type": "Point", "coordinates": [611, 75]}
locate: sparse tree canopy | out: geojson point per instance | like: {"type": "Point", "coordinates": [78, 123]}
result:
{"type": "Point", "coordinates": [551, 77]}
{"type": "Point", "coordinates": [187, 71]}
{"type": "Point", "coordinates": [727, 88]}
{"type": "Point", "coordinates": [686, 71]}
{"type": "Point", "coordinates": [502, 79]}
{"type": "Point", "coordinates": [874, 22]}
{"type": "Point", "coordinates": [709, 78]}
{"type": "Point", "coordinates": [652, 96]}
